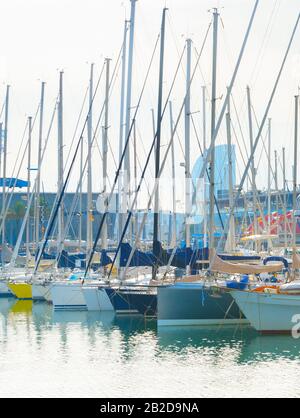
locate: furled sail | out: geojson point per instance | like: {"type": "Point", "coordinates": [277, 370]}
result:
{"type": "Point", "coordinates": [220, 266]}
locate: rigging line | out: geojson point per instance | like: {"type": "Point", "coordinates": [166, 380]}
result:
{"type": "Point", "coordinates": [264, 148]}
{"type": "Point", "coordinates": [281, 201]}
{"type": "Point", "coordinates": [147, 162]}
{"type": "Point", "coordinates": [207, 173]}
{"type": "Point", "coordinates": [77, 126]}
{"type": "Point", "coordinates": [144, 172]}
{"type": "Point", "coordinates": [270, 101]}
{"type": "Point", "coordinates": [221, 116]}
{"type": "Point", "coordinates": [23, 138]}
{"type": "Point", "coordinates": [229, 53]}
{"type": "Point", "coordinates": [121, 160]}
{"type": "Point", "coordinates": [93, 140]}
{"type": "Point", "coordinates": [90, 107]}
{"type": "Point", "coordinates": [168, 148]}
{"type": "Point", "coordinates": [17, 246]}
{"type": "Point", "coordinates": [266, 40]}
{"type": "Point", "coordinates": [5, 208]}
{"type": "Point", "coordinates": [143, 175]}
{"type": "Point", "coordinates": [71, 213]}
{"type": "Point", "coordinates": [260, 207]}
{"type": "Point", "coordinates": [59, 197]}
{"type": "Point", "coordinates": [249, 178]}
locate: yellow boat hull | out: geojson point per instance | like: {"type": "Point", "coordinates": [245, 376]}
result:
{"type": "Point", "coordinates": [22, 291]}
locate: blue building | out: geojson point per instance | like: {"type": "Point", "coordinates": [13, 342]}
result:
{"type": "Point", "coordinates": [221, 170]}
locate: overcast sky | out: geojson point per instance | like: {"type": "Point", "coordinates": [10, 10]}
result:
{"type": "Point", "coordinates": [41, 37]}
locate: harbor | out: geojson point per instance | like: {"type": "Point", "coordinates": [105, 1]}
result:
{"type": "Point", "coordinates": [150, 203]}
{"type": "Point", "coordinates": [118, 357]}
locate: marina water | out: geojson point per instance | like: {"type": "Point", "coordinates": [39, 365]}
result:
{"type": "Point", "coordinates": [70, 354]}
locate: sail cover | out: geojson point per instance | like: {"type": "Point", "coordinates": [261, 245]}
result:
{"type": "Point", "coordinates": [182, 257]}
{"type": "Point", "coordinates": [220, 266]}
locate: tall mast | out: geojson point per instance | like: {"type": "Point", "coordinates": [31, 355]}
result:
{"type": "Point", "coordinates": [28, 189]}
{"type": "Point", "coordinates": [5, 162]}
{"type": "Point", "coordinates": [231, 240]}
{"type": "Point", "coordinates": [204, 154]}
{"type": "Point", "coordinates": [213, 126]}
{"type": "Point", "coordinates": [174, 222]}
{"type": "Point", "coordinates": [38, 180]}
{"type": "Point", "coordinates": [158, 139]}
{"type": "Point", "coordinates": [80, 195]}
{"type": "Point", "coordinates": [129, 96]}
{"type": "Point", "coordinates": [284, 196]}
{"type": "Point", "coordinates": [295, 174]}
{"type": "Point", "coordinates": [89, 179]}
{"type": "Point", "coordinates": [154, 131]}
{"type": "Point", "coordinates": [105, 152]}
{"type": "Point", "coordinates": [276, 180]}
{"type": "Point", "coordinates": [60, 179]}
{"type": "Point", "coordinates": [121, 133]}
{"type": "Point", "coordinates": [269, 174]}
{"type": "Point", "coordinates": [252, 162]}
{"type": "Point", "coordinates": [135, 223]}
{"type": "Point", "coordinates": [187, 145]}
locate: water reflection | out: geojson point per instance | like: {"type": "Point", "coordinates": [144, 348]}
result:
{"type": "Point", "coordinates": [38, 321]}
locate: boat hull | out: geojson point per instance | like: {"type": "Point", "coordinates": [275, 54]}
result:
{"type": "Point", "coordinates": [196, 304]}
{"type": "Point", "coordinates": [122, 305]}
{"type": "Point", "coordinates": [22, 291]}
{"type": "Point", "coordinates": [134, 301]}
{"type": "Point", "coordinates": [269, 313]}
{"type": "Point", "coordinates": [96, 299]}
{"type": "Point", "coordinates": [39, 291]}
{"type": "Point", "coordinates": [68, 297]}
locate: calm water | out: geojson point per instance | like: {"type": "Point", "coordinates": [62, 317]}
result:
{"type": "Point", "coordinates": [44, 353]}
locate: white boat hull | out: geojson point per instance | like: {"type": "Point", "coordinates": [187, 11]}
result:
{"type": "Point", "coordinates": [68, 297]}
{"type": "Point", "coordinates": [97, 299]}
{"type": "Point", "coordinates": [269, 313]}
{"type": "Point", "coordinates": [40, 291]}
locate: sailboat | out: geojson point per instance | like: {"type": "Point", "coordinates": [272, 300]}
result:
{"type": "Point", "coordinates": [277, 310]}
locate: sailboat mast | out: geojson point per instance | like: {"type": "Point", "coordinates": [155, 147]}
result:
{"type": "Point", "coordinates": [60, 162]}
{"type": "Point", "coordinates": [89, 174]}
{"type": "Point", "coordinates": [252, 162]}
{"type": "Point", "coordinates": [128, 100]}
{"type": "Point", "coordinates": [28, 188]}
{"type": "Point", "coordinates": [276, 181]}
{"type": "Point", "coordinates": [80, 195]}
{"type": "Point", "coordinates": [158, 139]}
{"type": "Point", "coordinates": [230, 178]}
{"type": "Point", "coordinates": [121, 133]}
{"type": "Point", "coordinates": [105, 152]}
{"type": "Point", "coordinates": [38, 181]}
{"type": "Point", "coordinates": [174, 222]}
{"type": "Point", "coordinates": [269, 174]}
{"type": "Point", "coordinates": [204, 154]}
{"type": "Point", "coordinates": [295, 174]}
{"type": "Point", "coordinates": [213, 126]}
{"type": "Point", "coordinates": [188, 145]}
{"type": "Point", "coordinates": [5, 162]}
{"type": "Point", "coordinates": [284, 196]}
